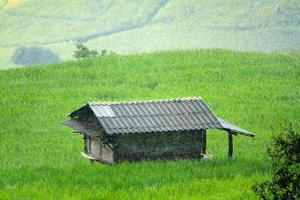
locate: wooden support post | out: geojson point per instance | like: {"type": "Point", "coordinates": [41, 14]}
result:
{"type": "Point", "coordinates": [201, 143]}
{"type": "Point", "coordinates": [85, 143]}
{"type": "Point", "coordinates": [203, 137]}
{"type": "Point", "coordinates": [230, 144]}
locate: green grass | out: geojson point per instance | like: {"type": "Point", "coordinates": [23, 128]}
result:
{"type": "Point", "coordinates": [150, 25]}
{"type": "Point", "coordinates": [40, 157]}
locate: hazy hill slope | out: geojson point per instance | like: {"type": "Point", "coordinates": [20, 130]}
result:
{"type": "Point", "coordinates": [7, 4]}
{"type": "Point", "coordinates": [129, 26]}
{"type": "Point", "coordinates": [40, 157]}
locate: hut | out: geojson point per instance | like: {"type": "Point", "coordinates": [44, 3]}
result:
{"type": "Point", "coordinates": [156, 129]}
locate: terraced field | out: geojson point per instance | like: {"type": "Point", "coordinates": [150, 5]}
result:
{"type": "Point", "coordinates": [7, 4]}
{"type": "Point", "coordinates": [126, 26]}
{"type": "Point", "coordinates": [40, 157]}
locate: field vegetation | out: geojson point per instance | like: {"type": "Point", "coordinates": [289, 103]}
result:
{"type": "Point", "coordinates": [40, 157]}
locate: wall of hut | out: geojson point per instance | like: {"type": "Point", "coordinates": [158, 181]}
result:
{"type": "Point", "coordinates": [98, 149]}
{"type": "Point", "coordinates": [95, 140]}
{"type": "Point", "coordinates": [169, 145]}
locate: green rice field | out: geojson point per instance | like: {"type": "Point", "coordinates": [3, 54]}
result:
{"type": "Point", "coordinates": [40, 158]}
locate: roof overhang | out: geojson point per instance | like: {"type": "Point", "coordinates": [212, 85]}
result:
{"type": "Point", "coordinates": [235, 129]}
{"type": "Point", "coordinates": [79, 127]}
{"type": "Point", "coordinates": [75, 124]}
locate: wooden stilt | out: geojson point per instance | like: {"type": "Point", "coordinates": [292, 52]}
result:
{"type": "Point", "coordinates": [85, 143]}
{"type": "Point", "coordinates": [204, 141]}
{"type": "Point", "coordinates": [201, 143]}
{"type": "Point", "coordinates": [230, 144]}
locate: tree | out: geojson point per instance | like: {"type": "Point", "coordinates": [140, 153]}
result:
{"type": "Point", "coordinates": [83, 52]}
{"type": "Point", "coordinates": [34, 55]}
{"type": "Point", "coordinates": [103, 52]}
{"type": "Point", "coordinates": [284, 154]}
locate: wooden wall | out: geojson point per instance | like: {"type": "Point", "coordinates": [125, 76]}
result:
{"type": "Point", "coordinates": [170, 145]}
{"type": "Point", "coordinates": [96, 148]}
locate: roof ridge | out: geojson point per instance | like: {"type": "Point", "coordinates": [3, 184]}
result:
{"type": "Point", "coordinates": [151, 115]}
{"type": "Point", "coordinates": [144, 101]}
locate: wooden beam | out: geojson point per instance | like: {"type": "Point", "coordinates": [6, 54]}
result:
{"type": "Point", "coordinates": [230, 144]}
{"type": "Point", "coordinates": [203, 137]}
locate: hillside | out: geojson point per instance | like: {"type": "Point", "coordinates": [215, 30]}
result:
{"type": "Point", "coordinates": [126, 26]}
{"type": "Point", "coordinates": [40, 157]}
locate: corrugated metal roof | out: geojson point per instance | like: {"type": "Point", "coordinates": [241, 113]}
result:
{"type": "Point", "coordinates": [155, 115]}
{"type": "Point", "coordinates": [75, 124]}
{"type": "Point", "coordinates": [234, 128]}
{"type": "Point", "coordinates": [78, 126]}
